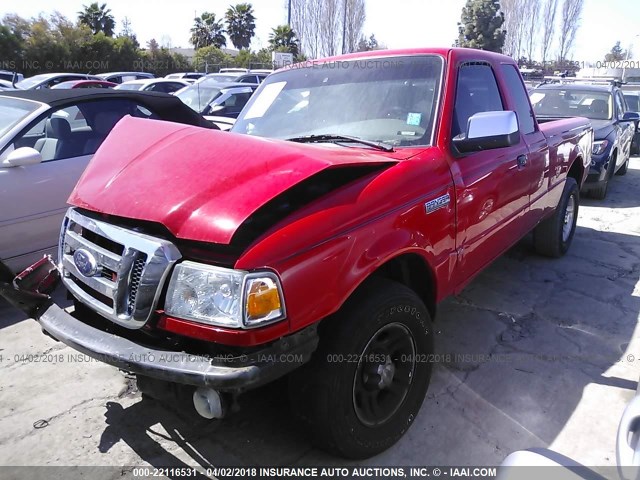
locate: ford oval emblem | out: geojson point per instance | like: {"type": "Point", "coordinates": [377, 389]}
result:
{"type": "Point", "coordinates": [85, 262]}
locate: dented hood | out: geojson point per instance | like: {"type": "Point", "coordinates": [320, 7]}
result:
{"type": "Point", "coordinates": [200, 184]}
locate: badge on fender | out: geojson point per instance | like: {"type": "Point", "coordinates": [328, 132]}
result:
{"type": "Point", "coordinates": [437, 203]}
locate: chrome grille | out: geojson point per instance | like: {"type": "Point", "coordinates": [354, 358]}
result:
{"type": "Point", "coordinates": [121, 287]}
{"type": "Point", "coordinates": [134, 282]}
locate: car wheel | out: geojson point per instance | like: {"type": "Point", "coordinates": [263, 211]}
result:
{"type": "Point", "coordinates": [553, 236]}
{"type": "Point", "coordinates": [623, 169]}
{"type": "Point", "coordinates": [365, 384]}
{"type": "Point", "coordinates": [600, 193]}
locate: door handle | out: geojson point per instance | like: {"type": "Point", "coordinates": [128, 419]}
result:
{"type": "Point", "coordinates": [522, 161]}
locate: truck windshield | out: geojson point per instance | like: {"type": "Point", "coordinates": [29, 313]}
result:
{"type": "Point", "coordinates": [560, 103]}
{"type": "Point", "coordinates": [13, 110]}
{"type": "Point", "coordinates": [390, 100]}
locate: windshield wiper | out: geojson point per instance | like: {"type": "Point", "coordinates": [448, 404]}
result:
{"type": "Point", "coordinates": [330, 137]}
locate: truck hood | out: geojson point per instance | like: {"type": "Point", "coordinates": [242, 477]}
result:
{"type": "Point", "coordinates": [601, 128]}
{"type": "Point", "coordinates": [202, 184]}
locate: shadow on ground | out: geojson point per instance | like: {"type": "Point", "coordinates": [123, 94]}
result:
{"type": "Point", "coordinates": [517, 349]}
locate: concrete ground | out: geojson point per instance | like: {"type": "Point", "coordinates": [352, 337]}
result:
{"type": "Point", "coordinates": [566, 361]}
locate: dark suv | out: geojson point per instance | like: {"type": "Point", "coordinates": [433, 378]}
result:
{"type": "Point", "coordinates": [613, 125]}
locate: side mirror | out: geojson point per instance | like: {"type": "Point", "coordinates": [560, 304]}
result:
{"type": "Point", "coordinates": [488, 130]}
{"type": "Point", "coordinates": [631, 117]}
{"type": "Point", "coordinates": [22, 156]}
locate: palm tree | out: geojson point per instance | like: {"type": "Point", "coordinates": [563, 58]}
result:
{"type": "Point", "coordinates": [207, 31]}
{"type": "Point", "coordinates": [284, 39]}
{"type": "Point", "coordinates": [98, 18]}
{"type": "Point", "coordinates": [241, 25]}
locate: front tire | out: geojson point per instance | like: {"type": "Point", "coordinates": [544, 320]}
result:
{"type": "Point", "coordinates": [600, 193]}
{"type": "Point", "coordinates": [553, 236]}
{"type": "Point", "coordinates": [365, 384]}
{"type": "Point", "coordinates": [623, 169]}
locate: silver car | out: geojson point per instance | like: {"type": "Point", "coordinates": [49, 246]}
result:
{"type": "Point", "coordinates": [47, 137]}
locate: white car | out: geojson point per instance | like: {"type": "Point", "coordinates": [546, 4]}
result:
{"type": "Point", "coordinates": [185, 76]}
{"type": "Point", "coordinates": [48, 80]}
{"type": "Point", "coordinates": [163, 85]}
{"type": "Point", "coordinates": [47, 137]}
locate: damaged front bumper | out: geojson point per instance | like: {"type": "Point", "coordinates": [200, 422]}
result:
{"type": "Point", "coordinates": [227, 373]}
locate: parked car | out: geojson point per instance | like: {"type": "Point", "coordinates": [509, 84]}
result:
{"type": "Point", "coordinates": [48, 80]}
{"type": "Point", "coordinates": [47, 137]}
{"type": "Point", "coordinates": [316, 243]}
{"type": "Point", "coordinates": [185, 76]}
{"type": "Point", "coordinates": [120, 77]}
{"type": "Point", "coordinates": [9, 76]}
{"type": "Point", "coordinates": [235, 77]}
{"type": "Point", "coordinates": [633, 103]}
{"type": "Point", "coordinates": [153, 85]}
{"type": "Point", "coordinates": [612, 122]}
{"type": "Point", "coordinates": [84, 84]}
{"type": "Point", "coordinates": [6, 85]}
{"type": "Point", "coordinates": [218, 99]}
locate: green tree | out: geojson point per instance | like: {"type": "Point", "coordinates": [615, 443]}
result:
{"type": "Point", "coordinates": [241, 25]}
{"type": "Point", "coordinates": [481, 26]}
{"type": "Point", "coordinates": [127, 32]}
{"type": "Point", "coordinates": [616, 54]}
{"type": "Point", "coordinates": [11, 47]}
{"type": "Point", "coordinates": [126, 54]}
{"type": "Point", "coordinates": [207, 30]}
{"type": "Point", "coordinates": [210, 59]}
{"type": "Point", "coordinates": [284, 39]}
{"type": "Point", "coordinates": [98, 18]}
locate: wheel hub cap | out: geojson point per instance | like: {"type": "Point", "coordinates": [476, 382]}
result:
{"type": "Point", "coordinates": [568, 219]}
{"type": "Point", "coordinates": [384, 374]}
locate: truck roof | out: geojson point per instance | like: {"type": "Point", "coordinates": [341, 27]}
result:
{"type": "Point", "coordinates": [442, 51]}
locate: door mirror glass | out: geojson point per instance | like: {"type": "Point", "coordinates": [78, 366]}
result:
{"type": "Point", "coordinates": [631, 116]}
{"type": "Point", "coordinates": [22, 156]}
{"type": "Point", "coordinates": [488, 130]}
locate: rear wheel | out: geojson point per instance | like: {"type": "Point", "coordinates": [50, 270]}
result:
{"type": "Point", "coordinates": [366, 382]}
{"type": "Point", "coordinates": [553, 236]}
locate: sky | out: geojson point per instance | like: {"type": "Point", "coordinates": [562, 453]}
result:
{"type": "Point", "coordinates": [397, 24]}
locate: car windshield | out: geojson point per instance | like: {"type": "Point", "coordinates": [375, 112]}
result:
{"type": "Point", "coordinates": [198, 95]}
{"type": "Point", "coordinates": [223, 77]}
{"type": "Point", "coordinates": [561, 103]}
{"type": "Point", "coordinates": [633, 102]}
{"type": "Point", "coordinates": [27, 83]}
{"type": "Point", "coordinates": [391, 100]}
{"type": "Point", "coordinates": [130, 86]}
{"type": "Point", "coordinates": [12, 111]}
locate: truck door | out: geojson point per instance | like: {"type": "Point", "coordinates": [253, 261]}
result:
{"type": "Point", "coordinates": [492, 187]}
{"type": "Point", "coordinates": [536, 169]}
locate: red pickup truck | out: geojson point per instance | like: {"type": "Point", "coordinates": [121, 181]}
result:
{"type": "Point", "coordinates": [315, 240]}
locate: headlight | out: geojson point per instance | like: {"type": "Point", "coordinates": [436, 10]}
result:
{"type": "Point", "coordinates": [600, 147]}
{"type": "Point", "coordinates": [224, 297]}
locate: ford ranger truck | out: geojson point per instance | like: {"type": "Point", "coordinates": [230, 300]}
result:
{"type": "Point", "coordinates": [315, 240]}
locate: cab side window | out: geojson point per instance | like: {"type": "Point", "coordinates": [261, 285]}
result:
{"type": "Point", "coordinates": [476, 91]}
{"type": "Point", "coordinates": [519, 94]}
